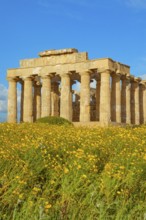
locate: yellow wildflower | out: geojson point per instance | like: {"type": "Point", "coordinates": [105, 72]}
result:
{"type": "Point", "coordinates": [66, 170]}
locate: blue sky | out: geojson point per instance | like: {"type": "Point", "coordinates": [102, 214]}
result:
{"type": "Point", "coordinates": [103, 28]}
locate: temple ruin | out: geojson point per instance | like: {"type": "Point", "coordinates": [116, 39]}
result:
{"type": "Point", "coordinates": [47, 89]}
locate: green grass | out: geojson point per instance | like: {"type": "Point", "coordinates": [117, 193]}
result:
{"type": "Point", "coordinates": [53, 120]}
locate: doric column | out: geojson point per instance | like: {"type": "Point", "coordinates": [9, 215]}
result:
{"type": "Point", "coordinates": [125, 100]}
{"type": "Point", "coordinates": [37, 100]}
{"type": "Point", "coordinates": [28, 97]}
{"type": "Point", "coordinates": [128, 110]}
{"type": "Point", "coordinates": [142, 100]}
{"type": "Point", "coordinates": [55, 99]}
{"type": "Point", "coordinates": [116, 98]}
{"type": "Point", "coordinates": [72, 82]}
{"type": "Point", "coordinates": [22, 101]}
{"type": "Point", "coordinates": [132, 102]}
{"type": "Point", "coordinates": [46, 96]}
{"type": "Point", "coordinates": [144, 105]}
{"type": "Point", "coordinates": [135, 108]}
{"type": "Point", "coordinates": [66, 102]}
{"type": "Point", "coordinates": [105, 98]}
{"type": "Point", "coordinates": [12, 100]}
{"type": "Point", "coordinates": [76, 106]}
{"type": "Point", "coordinates": [85, 97]}
{"type": "Point", "coordinates": [97, 99]}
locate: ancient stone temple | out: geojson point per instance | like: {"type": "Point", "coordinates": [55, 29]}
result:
{"type": "Point", "coordinates": [47, 89]}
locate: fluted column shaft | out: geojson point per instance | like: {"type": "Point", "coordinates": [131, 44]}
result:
{"type": "Point", "coordinates": [55, 99]}
{"type": "Point", "coordinates": [144, 105]}
{"type": "Point", "coordinates": [46, 96]}
{"type": "Point", "coordinates": [137, 108]}
{"type": "Point", "coordinates": [116, 99]}
{"type": "Point", "coordinates": [85, 97]}
{"type": "Point", "coordinates": [135, 111]}
{"type": "Point", "coordinates": [125, 101]}
{"type": "Point", "coordinates": [37, 101]}
{"type": "Point", "coordinates": [142, 100]}
{"type": "Point", "coordinates": [105, 98]}
{"type": "Point", "coordinates": [66, 102]}
{"type": "Point", "coordinates": [12, 101]}
{"type": "Point", "coordinates": [128, 110]}
{"type": "Point", "coordinates": [22, 101]}
{"type": "Point", "coordinates": [98, 99]}
{"type": "Point", "coordinates": [132, 103]}
{"type": "Point", "coordinates": [28, 97]}
{"type": "Point", "coordinates": [72, 82]}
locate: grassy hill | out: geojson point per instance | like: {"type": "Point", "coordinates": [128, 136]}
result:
{"type": "Point", "coordinates": [62, 172]}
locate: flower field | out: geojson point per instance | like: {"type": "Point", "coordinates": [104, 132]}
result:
{"type": "Point", "coordinates": [63, 172]}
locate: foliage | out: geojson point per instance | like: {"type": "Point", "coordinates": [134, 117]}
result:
{"type": "Point", "coordinates": [54, 120]}
{"type": "Point", "coordinates": [58, 172]}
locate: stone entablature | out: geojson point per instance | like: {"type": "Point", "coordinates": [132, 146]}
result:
{"type": "Point", "coordinates": [55, 57]}
{"type": "Point", "coordinates": [48, 53]}
{"type": "Point", "coordinates": [46, 89]}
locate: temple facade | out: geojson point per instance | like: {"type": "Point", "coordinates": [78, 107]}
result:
{"type": "Point", "coordinates": [47, 84]}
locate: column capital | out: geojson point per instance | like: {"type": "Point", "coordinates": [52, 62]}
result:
{"type": "Point", "coordinates": [118, 71]}
{"type": "Point", "coordinates": [135, 79]}
{"type": "Point", "coordinates": [116, 75]}
{"type": "Point", "coordinates": [46, 76]}
{"type": "Point", "coordinates": [27, 78]}
{"type": "Point", "coordinates": [126, 78]}
{"type": "Point", "coordinates": [104, 70]}
{"type": "Point", "coordinates": [12, 79]}
{"type": "Point", "coordinates": [86, 72]}
{"type": "Point", "coordinates": [65, 74]}
{"type": "Point", "coordinates": [142, 85]}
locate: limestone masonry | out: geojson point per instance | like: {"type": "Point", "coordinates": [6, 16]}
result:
{"type": "Point", "coordinates": [46, 89]}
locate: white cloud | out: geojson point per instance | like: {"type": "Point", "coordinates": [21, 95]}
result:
{"type": "Point", "coordinates": [143, 76]}
{"type": "Point", "coordinates": [3, 92]}
{"type": "Point", "coordinates": [3, 106]}
{"type": "Point", "coordinates": [138, 4]}
{"type": "Point", "coordinates": [3, 98]}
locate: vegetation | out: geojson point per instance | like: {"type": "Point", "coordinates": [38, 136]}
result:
{"type": "Point", "coordinates": [61, 172]}
{"type": "Point", "coordinates": [53, 120]}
